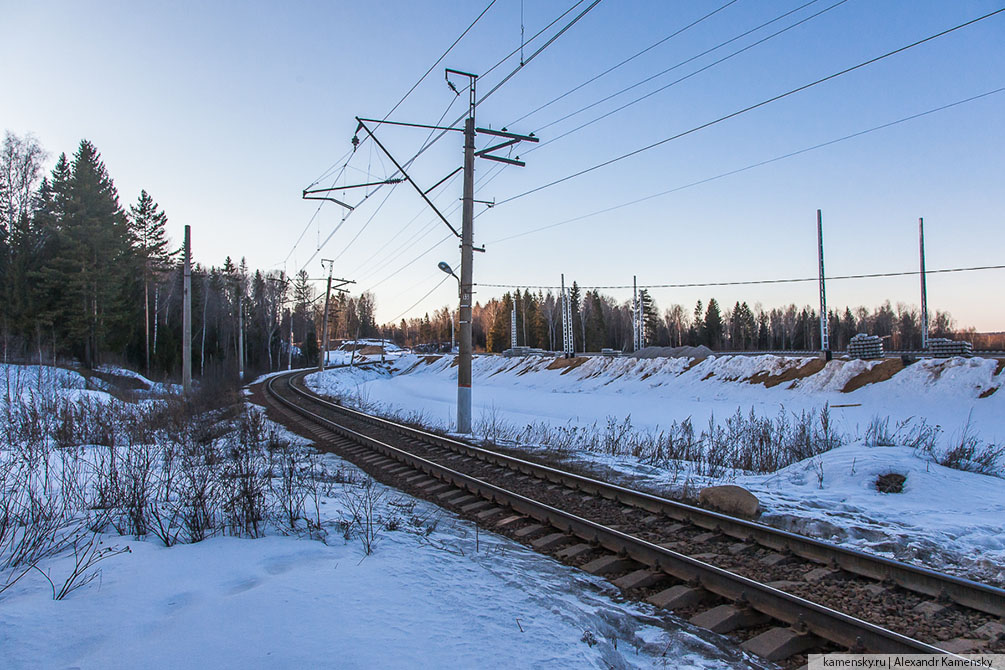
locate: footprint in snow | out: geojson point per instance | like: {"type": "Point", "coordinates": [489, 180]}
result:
{"type": "Point", "coordinates": [179, 601]}
{"type": "Point", "coordinates": [242, 585]}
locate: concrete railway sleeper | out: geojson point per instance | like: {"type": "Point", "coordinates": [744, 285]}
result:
{"type": "Point", "coordinates": [721, 599]}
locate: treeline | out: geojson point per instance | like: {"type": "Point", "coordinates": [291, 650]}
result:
{"type": "Point", "coordinates": [83, 279]}
{"type": "Point", "coordinates": [600, 321]}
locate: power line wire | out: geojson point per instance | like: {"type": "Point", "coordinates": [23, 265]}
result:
{"type": "Point", "coordinates": [628, 60]}
{"type": "Point", "coordinates": [534, 37]}
{"type": "Point", "coordinates": [440, 59]}
{"type": "Point", "coordinates": [752, 107]}
{"type": "Point", "coordinates": [348, 155]}
{"type": "Point", "coordinates": [518, 68]}
{"type": "Point", "coordinates": [872, 275]}
{"type": "Point", "coordinates": [685, 77]}
{"type": "Point", "coordinates": [534, 55]}
{"type": "Point", "coordinates": [424, 253]}
{"type": "Point", "coordinates": [417, 302]}
{"type": "Point", "coordinates": [749, 167]}
{"type": "Point", "coordinates": [550, 41]}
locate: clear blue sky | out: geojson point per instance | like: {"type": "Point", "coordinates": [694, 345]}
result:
{"type": "Point", "coordinates": [225, 111]}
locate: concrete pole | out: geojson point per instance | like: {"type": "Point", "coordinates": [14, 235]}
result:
{"type": "Point", "coordinates": [289, 357]}
{"type": "Point", "coordinates": [186, 315]}
{"type": "Point", "coordinates": [323, 354]}
{"type": "Point", "coordinates": [240, 329]}
{"type": "Point", "coordinates": [467, 260]}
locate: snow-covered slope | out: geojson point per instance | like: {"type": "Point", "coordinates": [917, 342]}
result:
{"type": "Point", "coordinates": [655, 392]}
{"type": "Point", "coordinates": [945, 518]}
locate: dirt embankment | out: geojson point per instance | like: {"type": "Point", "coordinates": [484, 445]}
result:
{"type": "Point", "coordinates": [879, 373]}
{"type": "Point", "coordinates": [566, 364]}
{"type": "Point", "coordinates": [790, 374]}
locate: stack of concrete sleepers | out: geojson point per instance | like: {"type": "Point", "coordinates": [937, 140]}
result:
{"type": "Point", "coordinates": [865, 347]}
{"type": "Point", "coordinates": [944, 347]}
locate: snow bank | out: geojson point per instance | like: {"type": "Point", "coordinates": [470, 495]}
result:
{"type": "Point", "coordinates": [655, 392]}
{"type": "Point", "coordinates": [952, 518]}
{"type": "Point", "coordinates": [944, 518]}
{"type": "Point", "coordinates": [25, 382]}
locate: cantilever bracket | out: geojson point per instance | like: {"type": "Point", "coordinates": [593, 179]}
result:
{"type": "Point", "coordinates": [513, 138]}
{"type": "Point", "coordinates": [405, 174]}
{"type": "Point", "coordinates": [329, 199]}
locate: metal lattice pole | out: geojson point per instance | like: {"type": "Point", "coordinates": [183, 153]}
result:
{"type": "Point", "coordinates": [512, 327]}
{"type": "Point", "coordinates": [825, 344]}
{"type": "Point", "coordinates": [568, 345]}
{"type": "Point", "coordinates": [924, 287]}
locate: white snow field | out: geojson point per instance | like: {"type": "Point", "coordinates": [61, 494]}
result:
{"type": "Point", "coordinates": [284, 602]}
{"type": "Point", "coordinates": [434, 593]}
{"type": "Point", "coordinates": [945, 518]}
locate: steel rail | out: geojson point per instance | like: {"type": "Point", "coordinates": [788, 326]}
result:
{"type": "Point", "coordinates": [965, 592]}
{"type": "Point", "coordinates": [824, 622]}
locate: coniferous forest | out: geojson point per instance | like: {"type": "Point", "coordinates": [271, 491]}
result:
{"type": "Point", "coordinates": [85, 278]}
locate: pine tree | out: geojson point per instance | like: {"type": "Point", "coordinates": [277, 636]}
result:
{"type": "Point", "coordinates": [91, 262]}
{"type": "Point", "coordinates": [698, 324]}
{"type": "Point", "coordinates": [151, 248]}
{"type": "Point", "coordinates": [596, 328]}
{"type": "Point", "coordinates": [713, 324]}
{"type": "Point", "coordinates": [578, 329]}
{"type": "Point", "coordinates": [650, 317]}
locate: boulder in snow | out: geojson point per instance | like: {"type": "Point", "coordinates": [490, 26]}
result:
{"type": "Point", "coordinates": [730, 499]}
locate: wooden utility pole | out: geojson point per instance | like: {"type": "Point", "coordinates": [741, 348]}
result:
{"type": "Point", "coordinates": [186, 315]}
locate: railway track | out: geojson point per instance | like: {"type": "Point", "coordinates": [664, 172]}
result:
{"type": "Point", "coordinates": [780, 594]}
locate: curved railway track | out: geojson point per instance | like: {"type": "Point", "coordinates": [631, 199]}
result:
{"type": "Point", "coordinates": [781, 594]}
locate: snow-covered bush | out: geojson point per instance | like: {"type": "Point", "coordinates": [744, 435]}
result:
{"type": "Point", "coordinates": [75, 468]}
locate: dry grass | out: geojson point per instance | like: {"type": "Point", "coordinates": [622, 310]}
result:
{"type": "Point", "coordinates": [880, 373]}
{"type": "Point", "coordinates": [790, 374]}
{"type": "Point", "coordinates": [429, 360]}
{"type": "Point", "coordinates": [566, 364]}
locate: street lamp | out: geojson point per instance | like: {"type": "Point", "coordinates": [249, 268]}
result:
{"type": "Point", "coordinates": [443, 265]}
{"type": "Point", "coordinates": [464, 363]}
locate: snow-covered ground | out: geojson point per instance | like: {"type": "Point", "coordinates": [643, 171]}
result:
{"type": "Point", "coordinates": [944, 517]}
{"type": "Point", "coordinates": [434, 593]}
{"type": "Point", "coordinates": [654, 392]}
{"type": "Point", "coordinates": [364, 349]}
{"type": "Point", "coordinates": [417, 602]}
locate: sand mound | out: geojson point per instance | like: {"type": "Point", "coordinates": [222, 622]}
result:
{"type": "Point", "coordinates": [880, 373]}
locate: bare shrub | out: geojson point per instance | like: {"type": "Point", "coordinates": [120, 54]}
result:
{"type": "Point", "coordinates": [289, 480]}
{"type": "Point", "coordinates": [362, 501]}
{"type": "Point", "coordinates": [878, 434]}
{"type": "Point", "coordinates": [87, 552]}
{"type": "Point", "coordinates": [969, 453]}
{"type": "Point", "coordinates": [197, 490]}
